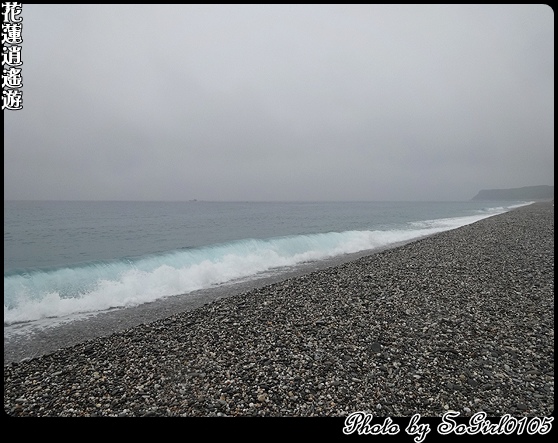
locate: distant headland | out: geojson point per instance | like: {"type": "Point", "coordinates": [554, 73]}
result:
{"type": "Point", "coordinates": [542, 192]}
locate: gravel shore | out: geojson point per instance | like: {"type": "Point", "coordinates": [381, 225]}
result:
{"type": "Point", "coordinates": [460, 321]}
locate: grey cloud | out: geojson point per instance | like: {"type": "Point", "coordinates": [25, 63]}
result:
{"type": "Point", "coordinates": [281, 102]}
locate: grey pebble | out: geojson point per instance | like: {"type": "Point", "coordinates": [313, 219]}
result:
{"type": "Point", "coordinates": [462, 320]}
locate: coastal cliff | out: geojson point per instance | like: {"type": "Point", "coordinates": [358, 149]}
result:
{"type": "Point", "coordinates": [543, 192]}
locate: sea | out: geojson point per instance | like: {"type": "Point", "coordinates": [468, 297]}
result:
{"type": "Point", "coordinates": [69, 261]}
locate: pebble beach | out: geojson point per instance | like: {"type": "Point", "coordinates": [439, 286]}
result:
{"type": "Point", "coordinates": [459, 321]}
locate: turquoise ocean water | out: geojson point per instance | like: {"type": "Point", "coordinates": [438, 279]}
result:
{"type": "Point", "coordinates": [64, 259]}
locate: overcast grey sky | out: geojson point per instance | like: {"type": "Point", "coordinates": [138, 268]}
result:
{"type": "Point", "coordinates": [281, 102]}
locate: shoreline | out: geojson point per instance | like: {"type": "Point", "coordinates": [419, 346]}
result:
{"type": "Point", "coordinates": [26, 341]}
{"type": "Point", "coordinates": [461, 320]}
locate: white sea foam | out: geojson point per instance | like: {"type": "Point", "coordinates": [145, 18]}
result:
{"type": "Point", "coordinates": [104, 285]}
